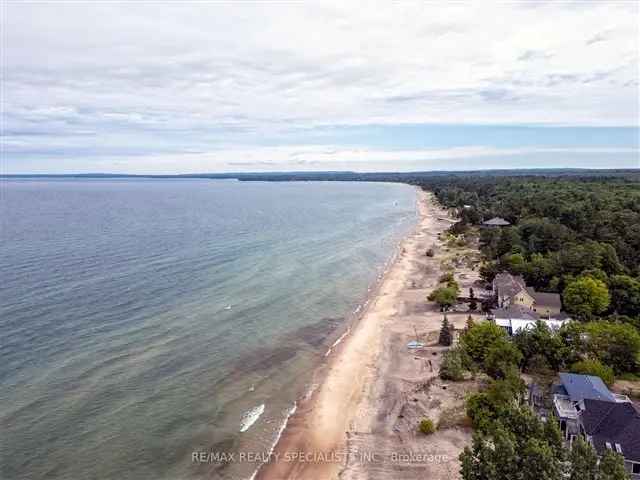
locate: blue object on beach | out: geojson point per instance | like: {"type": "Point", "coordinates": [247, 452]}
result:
{"type": "Point", "coordinates": [415, 344]}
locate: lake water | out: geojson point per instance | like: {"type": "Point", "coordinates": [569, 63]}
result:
{"type": "Point", "coordinates": [141, 320]}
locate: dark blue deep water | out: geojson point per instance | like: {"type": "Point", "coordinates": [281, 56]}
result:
{"type": "Point", "coordinates": [141, 319]}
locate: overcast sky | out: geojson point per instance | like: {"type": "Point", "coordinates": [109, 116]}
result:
{"type": "Point", "coordinates": [177, 87]}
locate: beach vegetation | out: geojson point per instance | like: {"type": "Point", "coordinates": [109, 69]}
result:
{"type": "Point", "coordinates": [455, 362]}
{"type": "Point", "coordinates": [473, 304]}
{"type": "Point", "coordinates": [453, 417]}
{"type": "Point", "coordinates": [478, 339]}
{"type": "Point", "coordinates": [446, 278]}
{"type": "Point", "coordinates": [469, 324]}
{"type": "Point", "coordinates": [502, 356]}
{"type": "Point", "coordinates": [426, 426]}
{"type": "Point", "coordinates": [445, 297]}
{"type": "Point", "coordinates": [445, 338]}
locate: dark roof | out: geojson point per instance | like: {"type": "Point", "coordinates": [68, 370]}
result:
{"type": "Point", "coordinates": [497, 221]}
{"type": "Point", "coordinates": [612, 422]}
{"type": "Point", "coordinates": [543, 299]}
{"type": "Point", "coordinates": [506, 284]}
{"type": "Point", "coordinates": [580, 387]}
{"type": "Point", "coordinates": [515, 312]}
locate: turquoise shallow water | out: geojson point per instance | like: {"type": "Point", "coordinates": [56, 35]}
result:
{"type": "Point", "coordinates": [140, 319]}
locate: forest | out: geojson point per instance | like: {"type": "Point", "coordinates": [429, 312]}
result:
{"type": "Point", "coordinates": [579, 236]}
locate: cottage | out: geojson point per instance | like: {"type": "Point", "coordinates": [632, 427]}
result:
{"type": "Point", "coordinates": [569, 396]}
{"type": "Point", "coordinates": [613, 426]}
{"type": "Point", "coordinates": [511, 290]}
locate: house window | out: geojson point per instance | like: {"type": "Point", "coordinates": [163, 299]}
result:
{"type": "Point", "coordinates": [608, 445]}
{"type": "Point", "coordinates": [618, 448]}
{"type": "Point", "coordinates": [635, 468]}
{"type": "Point", "coordinates": [563, 425]}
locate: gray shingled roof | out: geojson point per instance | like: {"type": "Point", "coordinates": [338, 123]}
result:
{"type": "Point", "coordinates": [508, 285]}
{"type": "Point", "coordinates": [580, 387]}
{"type": "Point", "coordinates": [613, 422]}
{"type": "Point", "coordinates": [515, 311]}
{"type": "Point", "coordinates": [543, 299]}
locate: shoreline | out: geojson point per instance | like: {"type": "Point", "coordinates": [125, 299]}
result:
{"type": "Point", "coordinates": [351, 322]}
{"type": "Point", "coordinates": [314, 443]}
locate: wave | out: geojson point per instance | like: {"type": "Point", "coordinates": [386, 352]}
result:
{"type": "Point", "coordinates": [250, 417]}
{"type": "Point", "coordinates": [337, 342]}
{"type": "Point", "coordinates": [291, 411]}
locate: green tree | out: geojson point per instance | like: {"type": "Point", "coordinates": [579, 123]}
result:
{"type": "Point", "coordinates": [478, 339]}
{"type": "Point", "coordinates": [469, 324]}
{"type": "Point", "coordinates": [514, 263]}
{"type": "Point", "coordinates": [473, 304]}
{"type": "Point", "coordinates": [614, 344]}
{"type": "Point", "coordinates": [540, 342]}
{"type": "Point", "coordinates": [554, 438]}
{"type": "Point", "coordinates": [502, 356]}
{"type": "Point", "coordinates": [596, 368]}
{"type": "Point", "coordinates": [625, 295]}
{"type": "Point", "coordinates": [539, 462]}
{"type": "Point", "coordinates": [445, 333]}
{"type": "Point", "coordinates": [586, 297]}
{"type": "Point", "coordinates": [477, 462]}
{"type": "Point", "coordinates": [612, 467]}
{"type": "Point", "coordinates": [454, 364]}
{"type": "Point", "coordinates": [445, 297]}
{"type": "Point", "coordinates": [583, 461]}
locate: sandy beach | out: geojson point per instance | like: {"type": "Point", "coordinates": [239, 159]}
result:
{"type": "Point", "coordinates": [362, 420]}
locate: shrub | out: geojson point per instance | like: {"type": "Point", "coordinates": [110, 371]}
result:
{"type": "Point", "coordinates": [430, 252]}
{"type": "Point", "coordinates": [446, 278]}
{"type": "Point", "coordinates": [596, 368]}
{"type": "Point", "coordinates": [445, 297]}
{"type": "Point", "coordinates": [426, 426]}
{"type": "Point", "coordinates": [453, 365]}
{"type": "Point", "coordinates": [453, 417]}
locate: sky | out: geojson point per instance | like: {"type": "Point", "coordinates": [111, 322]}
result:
{"type": "Point", "coordinates": [192, 87]}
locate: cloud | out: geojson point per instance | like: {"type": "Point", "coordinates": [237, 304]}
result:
{"type": "Point", "coordinates": [168, 78]}
{"type": "Point", "coordinates": [534, 55]}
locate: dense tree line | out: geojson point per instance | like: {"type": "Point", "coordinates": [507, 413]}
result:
{"type": "Point", "coordinates": [576, 236]}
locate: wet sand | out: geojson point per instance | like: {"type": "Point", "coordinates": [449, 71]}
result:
{"type": "Point", "coordinates": [361, 422]}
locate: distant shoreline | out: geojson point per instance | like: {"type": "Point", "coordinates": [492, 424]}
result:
{"type": "Point", "coordinates": [290, 176]}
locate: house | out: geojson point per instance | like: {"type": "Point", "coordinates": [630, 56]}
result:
{"type": "Point", "coordinates": [511, 290]}
{"type": "Point", "coordinates": [614, 426]}
{"type": "Point", "coordinates": [545, 304]}
{"type": "Point", "coordinates": [496, 222]}
{"type": "Point", "coordinates": [517, 317]}
{"type": "Point", "coordinates": [569, 396]}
